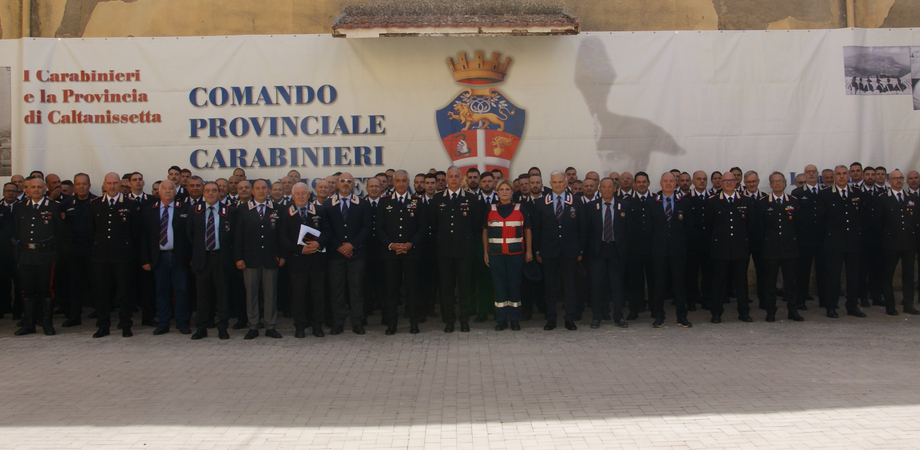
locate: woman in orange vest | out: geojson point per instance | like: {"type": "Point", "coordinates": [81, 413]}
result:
{"type": "Point", "coordinates": [506, 247]}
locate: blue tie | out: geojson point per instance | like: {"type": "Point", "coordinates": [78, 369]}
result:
{"type": "Point", "coordinates": [559, 209]}
{"type": "Point", "coordinates": [667, 209]}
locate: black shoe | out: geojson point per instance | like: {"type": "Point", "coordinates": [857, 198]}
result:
{"type": "Point", "coordinates": [891, 311]}
{"type": "Point", "coordinates": [481, 318]}
{"type": "Point", "coordinates": [240, 324]}
{"type": "Point", "coordinates": [771, 317]}
{"type": "Point", "coordinates": [101, 333]}
{"type": "Point", "coordinates": [200, 334]}
{"type": "Point", "coordinates": [657, 323]}
{"type": "Point", "coordinates": [318, 332]}
{"type": "Point", "coordinates": [391, 330]}
{"type": "Point", "coordinates": [449, 328]}
{"type": "Point", "coordinates": [299, 333]}
{"type": "Point", "coordinates": [632, 316]}
{"type": "Point", "coordinates": [684, 323]}
{"type": "Point", "coordinates": [569, 325]}
{"type": "Point", "coordinates": [464, 327]}
{"type": "Point", "coordinates": [126, 332]}
{"type": "Point", "coordinates": [832, 313]}
{"type": "Point", "coordinates": [515, 326]}
{"type": "Point", "coordinates": [49, 330]}
{"type": "Point", "coordinates": [856, 312]}
{"type": "Point", "coordinates": [336, 329]}
{"type": "Point", "coordinates": [413, 329]}
{"type": "Point", "coordinates": [21, 323]}
{"type": "Point", "coordinates": [160, 330]}
{"type": "Point", "coordinates": [595, 323]}
{"type": "Point", "coordinates": [716, 319]}
{"type": "Point", "coordinates": [273, 333]}
{"type": "Point", "coordinates": [795, 316]}
{"type": "Point", "coordinates": [501, 326]}
{"type": "Point", "coordinates": [359, 330]}
{"type": "Point", "coordinates": [621, 323]}
{"type": "Point", "coordinates": [745, 318]}
{"type": "Point", "coordinates": [911, 311]}
{"type": "Point", "coordinates": [222, 334]}
{"type": "Point", "coordinates": [184, 330]}
{"type": "Point", "coordinates": [24, 331]}
{"type": "Point", "coordinates": [551, 325]}
{"type": "Point", "coordinates": [72, 323]}
{"type": "Point", "coordinates": [251, 334]}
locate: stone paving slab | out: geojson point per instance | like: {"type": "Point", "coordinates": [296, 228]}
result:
{"type": "Point", "coordinates": [823, 383]}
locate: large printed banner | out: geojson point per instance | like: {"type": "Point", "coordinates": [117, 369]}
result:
{"type": "Point", "coordinates": [767, 100]}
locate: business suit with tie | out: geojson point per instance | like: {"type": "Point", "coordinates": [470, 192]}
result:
{"type": "Point", "coordinates": [350, 221]}
{"type": "Point", "coordinates": [669, 224]}
{"type": "Point", "coordinates": [699, 263]}
{"type": "Point", "coordinates": [606, 246]}
{"type": "Point", "coordinates": [308, 271]}
{"type": "Point", "coordinates": [559, 234]}
{"type": "Point", "coordinates": [841, 246]}
{"type": "Point", "coordinates": [165, 252]}
{"type": "Point", "coordinates": [209, 234]}
{"type": "Point", "coordinates": [897, 215]}
{"type": "Point", "coordinates": [640, 272]}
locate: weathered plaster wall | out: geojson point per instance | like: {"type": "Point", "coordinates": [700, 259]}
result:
{"type": "Point", "coordinates": [99, 18]}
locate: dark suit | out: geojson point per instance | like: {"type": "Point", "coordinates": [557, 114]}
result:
{"type": "Point", "coordinates": [458, 225]}
{"type": "Point", "coordinates": [730, 250]}
{"type": "Point", "coordinates": [639, 269]}
{"type": "Point", "coordinates": [354, 228]}
{"type": "Point", "coordinates": [669, 253]}
{"type": "Point", "coordinates": [756, 242]}
{"type": "Point", "coordinates": [606, 260]}
{"type": "Point", "coordinates": [559, 236]}
{"type": "Point", "coordinates": [116, 233]}
{"type": "Point", "coordinates": [143, 285]}
{"type": "Point", "coordinates": [780, 249]}
{"type": "Point", "coordinates": [400, 223]}
{"type": "Point", "coordinates": [428, 263]}
{"type": "Point", "coordinates": [872, 263]}
{"type": "Point", "coordinates": [308, 272]}
{"type": "Point", "coordinates": [7, 262]}
{"type": "Point", "coordinates": [257, 243]}
{"type": "Point", "coordinates": [375, 289]}
{"type": "Point", "coordinates": [532, 291]}
{"type": "Point", "coordinates": [211, 265]}
{"type": "Point", "coordinates": [699, 263]}
{"type": "Point", "coordinates": [809, 229]}
{"type": "Point", "coordinates": [841, 244]}
{"type": "Point", "coordinates": [169, 267]}
{"type": "Point", "coordinates": [897, 220]}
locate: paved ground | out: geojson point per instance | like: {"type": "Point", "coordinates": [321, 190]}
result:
{"type": "Point", "coordinates": [845, 383]}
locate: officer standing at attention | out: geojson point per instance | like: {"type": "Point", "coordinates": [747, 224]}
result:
{"type": "Point", "coordinates": [38, 230]}
{"type": "Point", "coordinates": [699, 235]}
{"type": "Point", "coordinates": [559, 234]}
{"type": "Point", "coordinates": [208, 232]}
{"type": "Point", "coordinates": [780, 246]}
{"type": "Point", "coordinates": [669, 250]}
{"type": "Point", "coordinates": [841, 241]}
{"type": "Point", "coordinates": [401, 228]}
{"type": "Point", "coordinates": [897, 217]}
{"type": "Point", "coordinates": [306, 260]}
{"type": "Point", "coordinates": [79, 235]}
{"type": "Point", "coordinates": [455, 214]}
{"type": "Point", "coordinates": [730, 249]}
{"type": "Point", "coordinates": [605, 248]}
{"type": "Point", "coordinates": [639, 269]}
{"type": "Point", "coordinates": [809, 230]}
{"type": "Point", "coordinates": [116, 226]}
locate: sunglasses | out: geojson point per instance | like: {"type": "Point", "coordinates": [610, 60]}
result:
{"type": "Point", "coordinates": [346, 180]}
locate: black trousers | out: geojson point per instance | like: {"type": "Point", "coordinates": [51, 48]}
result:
{"type": "Point", "coordinates": [427, 279]}
{"type": "Point", "coordinates": [809, 254]}
{"type": "Point", "coordinates": [772, 268]}
{"type": "Point", "coordinates": [722, 271]}
{"type": "Point", "coordinates": [699, 276]}
{"type": "Point", "coordinates": [872, 274]}
{"type": "Point", "coordinates": [834, 264]}
{"type": "Point", "coordinates": [144, 292]}
{"type": "Point", "coordinates": [375, 286]}
{"type": "Point", "coordinates": [346, 277]}
{"type": "Point", "coordinates": [211, 285]}
{"type": "Point", "coordinates": [455, 272]}
{"type": "Point", "coordinates": [401, 272]}
{"type": "Point", "coordinates": [284, 290]}
{"type": "Point", "coordinates": [559, 276]}
{"type": "Point", "coordinates": [236, 296]}
{"type": "Point", "coordinates": [759, 266]}
{"type": "Point", "coordinates": [907, 277]}
{"type": "Point", "coordinates": [8, 280]}
{"type": "Point", "coordinates": [533, 295]}
{"type": "Point", "coordinates": [111, 288]}
{"type": "Point", "coordinates": [607, 270]}
{"type": "Point", "coordinates": [669, 270]}
{"type": "Point", "coordinates": [308, 288]}
{"type": "Point", "coordinates": [639, 273]}
{"type": "Point", "coordinates": [36, 282]}
{"type": "Point", "coordinates": [80, 274]}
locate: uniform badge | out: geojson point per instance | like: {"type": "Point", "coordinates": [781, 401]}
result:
{"type": "Point", "coordinates": [622, 214]}
{"type": "Point", "coordinates": [572, 212]}
{"type": "Point", "coordinates": [680, 216]}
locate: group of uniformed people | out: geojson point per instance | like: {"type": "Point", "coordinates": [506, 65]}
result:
{"type": "Point", "coordinates": [478, 242]}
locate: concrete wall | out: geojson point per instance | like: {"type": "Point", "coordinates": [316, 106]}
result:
{"type": "Point", "coordinates": [108, 18]}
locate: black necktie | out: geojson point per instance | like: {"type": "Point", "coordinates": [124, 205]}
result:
{"type": "Point", "coordinates": [731, 200]}
{"type": "Point", "coordinates": [453, 197]}
{"type": "Point", "coordinates": [900, 199]}
{"type": "Point", "coordinates": [303, 214]}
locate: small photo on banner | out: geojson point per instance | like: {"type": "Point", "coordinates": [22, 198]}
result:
{"type": "Point", "coordinates": [6, 124]}
{"type": "Point", "coordinates": [877, 70]}
{"type": "Point", "coordinates": [915, 75]}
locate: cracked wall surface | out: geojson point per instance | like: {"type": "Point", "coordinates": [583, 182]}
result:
{"type": "Point", "coordinates": [119, 18]}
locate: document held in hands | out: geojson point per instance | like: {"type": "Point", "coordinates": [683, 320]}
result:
{"type": "Point", "coordinates": [308, 234]}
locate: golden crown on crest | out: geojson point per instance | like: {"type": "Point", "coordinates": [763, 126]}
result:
{"type": "Point", "coordinates": [480, 71]}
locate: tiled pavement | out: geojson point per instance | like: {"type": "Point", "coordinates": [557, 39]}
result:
{"type": "Point", "coordinates": [845, 383]}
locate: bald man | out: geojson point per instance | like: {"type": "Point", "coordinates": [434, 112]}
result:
{"type": "Point", "coordinates": [116, 226]}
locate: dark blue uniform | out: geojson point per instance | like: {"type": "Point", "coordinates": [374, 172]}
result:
{"type": "Point", "coordinates": [38, 234]}
{"type": "Point", "coordinates": [211, 264]}
{"type": "Point", "coordinates": [897, 215]}
{"type": "Point", "coordinates": [640, 272]}
{"type": "Point", "coordinates": [457, 221]}
{"type": "Point", "coordinates": [841, 246]}
{"type": "Point", "coordinates": [780, 251]}
{"type": "Point", "coordinates": [731, 222]}
{"type": "Point", "coordinates": [401, 221]}
{"type": "Point", "coordinates": [116, 228]}
{"type": "Point", "coordinates": [559, 236]}
{"type": "Point", "coordinates": [308, 272]}
{"type": "Point", "coordinates": [354, 226]}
